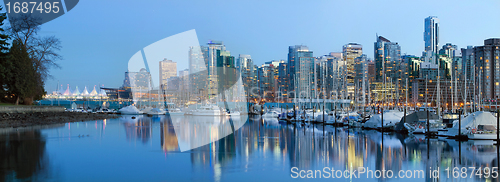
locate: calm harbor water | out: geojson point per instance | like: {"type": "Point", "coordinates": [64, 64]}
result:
{"type": "Point", "coordinates": [147, 149]}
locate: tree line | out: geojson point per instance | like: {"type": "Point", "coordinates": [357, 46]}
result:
{"type": "Point", "coordinates": [25, 59]}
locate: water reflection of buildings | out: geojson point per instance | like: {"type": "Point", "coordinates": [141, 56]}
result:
{"type": "Point", "coordinates": [167, 135]}
{"type": "Point", "coordinates": [269, 146]}
{"type": "Point", "coordinates": [139, 128]}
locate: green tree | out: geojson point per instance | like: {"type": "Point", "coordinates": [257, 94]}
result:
{"type": "Point", "coordinates": [23, 82]}
{"type": "Point", "coordinates": [42, 52]}
{"type": "Point", "coordinates": [4, 61]}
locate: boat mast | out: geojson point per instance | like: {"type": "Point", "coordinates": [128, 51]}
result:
{"type": "Point", "coordinates": [438, 103]}
{"type": "Point", "coordinates": [465, 90]}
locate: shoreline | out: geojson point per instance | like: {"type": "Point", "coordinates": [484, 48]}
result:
{"type": "Point", "coordinates": [24, 119]}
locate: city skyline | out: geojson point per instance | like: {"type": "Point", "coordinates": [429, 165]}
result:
{"type": "Point", "coordinates": [267, 40]}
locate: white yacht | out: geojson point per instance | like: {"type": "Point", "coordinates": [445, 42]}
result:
{"type": "Point", "coordinates": [174, 111]}
{"type": "Point", "coordinates": [208, 110]}
{"type": "Point", "coordinates": [155, 111]}
{"type": "Point", "coordinates": [130, 110]}
{"type": "Point", "coordinates": [478, 125]}
{"type": "Point", "coordinates": [271, 114]}
{"type": "Point", "coordinates": [234, 113]}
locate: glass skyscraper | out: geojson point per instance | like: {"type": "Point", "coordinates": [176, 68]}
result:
{"type": "Point", "coordinates": [431, 38]}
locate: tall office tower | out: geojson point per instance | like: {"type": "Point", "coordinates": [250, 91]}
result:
{"type": "Point", "coordinates": [213, 80]}
{"type": "Point", "coordinates": [388, 64]}
{"type": "Point", "coordinates": [487, 69]}
{"type": "Point", "coordinates": [184, 80]}
{"type": "Point", "coordinates": [350, 52]}
{"type": "Point", "coordinates": [255, 90]}
{"type": "Point", "coordinates": [168, 69]}
{"type": "Point", "coordinates": [361, 69]}
{"type": "Point", "coordinates": [413, 70]}
{"type": "Point", "coordinates": [276, 86]}
{"type": "Point", "coordinates": [467, 62]}
{"type": "Point", "coordinates": [431, 38]}
{"type": "Point", "coordinates": [334, 70]}
{"type": "Point", "coordinates": [283, 81]}
{"type": "Point", "coordinates": [266, 82]}
{"type": "Point", "coordinates": [227, 75]}
{"type": "Point", "coordinates": [246, 70]}
{"type": "Point", "coordinates": [448, 50]}
{"type": "Point", "coordinates": [300, 60]}
{"type": "Point", "coordinates": [198, 64]}
{"type": "Point", "coordinates": [371, 70]}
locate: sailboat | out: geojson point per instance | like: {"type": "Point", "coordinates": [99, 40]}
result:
{"type": "Point", "coordinates": [478, 125]}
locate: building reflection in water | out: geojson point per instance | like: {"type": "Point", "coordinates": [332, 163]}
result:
{"type": "Point", "coordinates": [168, 138]}
{"type": "Point", "coordinates": [137, 127]}
{"type": "Point", "coordinates": [269, 145]}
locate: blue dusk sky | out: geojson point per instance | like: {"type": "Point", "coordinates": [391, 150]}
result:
{"type": "Point", "coordinates": [100, 36]}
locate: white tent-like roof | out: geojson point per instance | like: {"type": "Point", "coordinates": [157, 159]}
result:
{"type": "Point", "coordinates": [76, 92]}
{"type": "Point", "coordinates": [67, 92]}
{"type": "Point", "coordinates": [85, 91]}
{"type": "Point", "coordinates": [60, 91]}
{"type": "Point", "coordinates": [103, 93]}
{"type": "Point", "coordinates": [93, 93]}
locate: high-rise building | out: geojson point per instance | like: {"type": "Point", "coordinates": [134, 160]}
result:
{"type": "Point", "coordinates": [361, 68]}
{"type": "Point", "coordinates": [467, 62]}
{"type": "Point", "coordinates": [247, 75]}
{"type": "Point", "coordinates": [389, 67]}
{"type": "Point", "coordinates": [168, 69]}
{"type": "Point", "coordinates": [449, 50]}
{"type": "Point", "coordinates": [213, 80]}
{"type": "Point", "coordinates": [198, 64]}
{"type": "Point", "coordinates": [184, 80]}
{"type": "Point", "coordinates": [371, 71]}
{"type": "Point", "coordinates": [267, 82]}
{"type": "Point", "coordinates": [431, 38]}
{"type": "Point", "coordinates": [487, 69]}
{"type": "Point", "coordinates": [283, 80]}
{"type": "Point", "coordinates": [334, 69]}
{"type": "Point", "coordinates": [350, 52]}
{"type": "Point", "coordinates": [300, 64]}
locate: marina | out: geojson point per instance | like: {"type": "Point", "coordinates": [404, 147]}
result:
{"type": "Point", "coordinates": [142, 149]}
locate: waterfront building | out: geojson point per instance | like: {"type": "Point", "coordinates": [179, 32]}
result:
{"type": "Point", "coordinates": [283, 80]}
{"type": "Point", "coordinates": [487, 69]}
{"type": "Point", "coordinates": [467, 62]}
{"type": "Point", "coordinates": [173, 83]}
{"type": "Point", "coordinates": [431, 38]}
{"type": "Point", "coordinates": [300, 64]}
{"type": "Point", "coordinates": [247, 75]}
{"type": "Point", "coordinates": [168, 68]}
{"type": "Point", "coordinates": [350, 52]}
{"type": "Point", "coordinates": [214, 50]}
{"type": "Point", "coordinates": [429, 70]}
{"type": "Point", "coordinates": [227, 76]}
{"type": "Point", "coordinates": [413, 69]}
{"type": "Point", "coordinates": [446, 64]}
{"type": "Point", "coordinates": [371, 70]}
{"type": "Point", "coordinates": [361, 69]}
{"type": "Point", "coordinates": [448, 96]}
{"type": "Point", "coordinates": [198, 64]}
{"type": "Point", "coordinates": [184, 84]}
{"type": "Point", "coordinates": [449, 50]}
{"type": "Point", "coordinates": [389, 67]}
{"type": "Point", "coordinates": [267, 82]}
{"type": "Point", "coordinates": [334, 69]}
